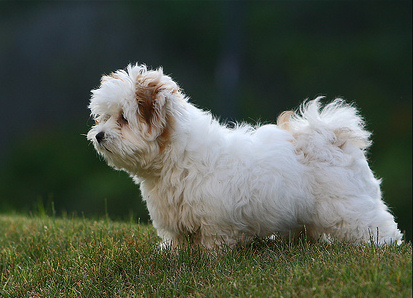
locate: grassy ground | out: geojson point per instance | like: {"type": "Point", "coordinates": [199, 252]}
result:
{"type": "Point", "coordinates": [73, 257]}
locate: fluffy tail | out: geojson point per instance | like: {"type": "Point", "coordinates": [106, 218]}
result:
{"type": "Point", "coordinates": [318, 129]}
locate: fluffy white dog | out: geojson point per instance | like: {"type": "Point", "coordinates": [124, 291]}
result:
{"type": "Point", "coordinates": [212, 185]}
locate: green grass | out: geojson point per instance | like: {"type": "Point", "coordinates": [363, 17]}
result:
{"type": "Point", "coordinates": [75, 257]}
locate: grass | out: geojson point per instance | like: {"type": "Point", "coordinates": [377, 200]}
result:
{"type": "Point", "coordinates": [77, 257]}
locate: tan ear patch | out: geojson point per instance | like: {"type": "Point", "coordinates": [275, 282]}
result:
{"type": "Point", "coordinates": [145, 102]}
{"type": "Point", "coordinates": [152, 109]}
{"type": "Point", "coordinates": [146, 92]}
{"type": "Point", "coordinates": [165, 137]}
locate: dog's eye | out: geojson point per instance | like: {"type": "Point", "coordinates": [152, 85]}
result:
{"type": "Point", "coordinates": [101, 119]}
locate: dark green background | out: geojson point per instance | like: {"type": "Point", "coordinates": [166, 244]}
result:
{"type": "Point", "coordinates": [242, 60]}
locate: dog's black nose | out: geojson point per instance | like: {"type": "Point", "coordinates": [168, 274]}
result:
{"type": "Point", "coordinates": [100, 136]}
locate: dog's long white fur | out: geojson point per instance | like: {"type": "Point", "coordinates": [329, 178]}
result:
{"type": "Point", "coordinates": [215, 185]}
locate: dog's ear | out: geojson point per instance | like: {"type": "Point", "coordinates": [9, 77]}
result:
{"type": "Point", "coordinates": [152, 93]}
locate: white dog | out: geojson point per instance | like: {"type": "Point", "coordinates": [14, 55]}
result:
{"type": "Point", "coordinates": [212, 185]}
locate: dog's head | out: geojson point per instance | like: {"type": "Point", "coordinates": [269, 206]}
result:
{"type": "Point", "coordinates": [132, 113]}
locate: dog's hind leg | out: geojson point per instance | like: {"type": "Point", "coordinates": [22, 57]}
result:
{"type": "Point", "coordinates": [357, 220]}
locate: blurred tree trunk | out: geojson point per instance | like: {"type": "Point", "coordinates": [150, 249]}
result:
{"type": "Point", "coordinates": [229, 64]}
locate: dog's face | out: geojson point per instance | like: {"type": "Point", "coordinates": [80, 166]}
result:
{"type": "Point", "coordinates": [131, 113]}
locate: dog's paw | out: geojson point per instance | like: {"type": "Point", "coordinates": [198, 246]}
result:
{"type": "Point", "coordinates": [164, 246]}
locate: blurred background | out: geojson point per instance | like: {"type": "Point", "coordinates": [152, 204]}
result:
{"type": "Point", "coordinates": [244, 61]}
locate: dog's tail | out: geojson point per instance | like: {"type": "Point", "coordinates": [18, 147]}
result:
{"type": "Point", "coordinates": [317, 129]}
